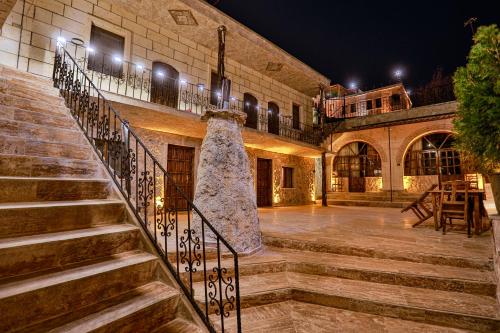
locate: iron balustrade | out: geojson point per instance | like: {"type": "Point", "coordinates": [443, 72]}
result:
{"type": "Point", "coordinates": [196, 254]}
{"type": "Point", "coordinates": [116, 75]}
{"type": "Point", "coordinates": [350, 106]}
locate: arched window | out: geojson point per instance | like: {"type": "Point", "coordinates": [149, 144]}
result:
{"type": "Point", "coordinates": [273, 120]}
{"type": "Point", "coordinates": [433, 154]}
{"type": "Point", "coordinates": [353, 163]}
{"type": "Point", "coordinates": [250, 106]}
{"type": "Point", "coordinates": [164, 84]}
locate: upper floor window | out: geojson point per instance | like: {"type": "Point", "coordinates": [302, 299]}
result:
{"type": "Point", "coordinates": [378, 103]}
{"type": "Point", "coordinates": [369, 104]}
{"type": "Point", "coordinates": [295, 116]}
{"type": "Point", "coordinates": [108, 52]}
{"type": "Point", "coordinates": [353, 108]}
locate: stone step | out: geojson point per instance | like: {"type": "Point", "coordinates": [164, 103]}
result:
{"type": "Point", "coordinates": [418, 275]}
{"type": "Point", "coordinates": [388, 252]}
{"type": "Point", "coordinates": [27, 189]}
{"type": "Point", "coordinates": [16, 88]}
{"type": "Point", "coordinates": [298, 317]}
{"type": "Point", "coordinates": [33, 147]}
{"type": "Point", "coordinates": [178, 325]}
{"type": "Point", "coordinates": [32, 301]}
{"type": "Point", "coordinates": [36, 166]}
{"type": "Point", "coordinates": [147, 307]}
{"type": "Point", "coordinates": [32, 104]}
{"type": "Point", "coordinates": [56, 216]}
{"type": "Point", "coordinates": [57, 120]}
{"type": "Point", "coordinates": [29, 78]}
{"type": "Point", "coordinates": [15, 82]}
{"type": "Point", "coordinates": [444, 308]}
{"type": "Point", "coordinates": [368, 203]}
{"type": "Point", "coordinates": [40, 132]}
{"type": "Point", "coordinates": [37, 253]}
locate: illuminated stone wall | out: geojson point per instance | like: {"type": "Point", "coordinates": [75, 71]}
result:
{"type": "Point", "coordinates": [373, 184]}
{"type": "Point", "coordinates": [418, 184]}
{"type": "Point", "coordinates": [303, 191]}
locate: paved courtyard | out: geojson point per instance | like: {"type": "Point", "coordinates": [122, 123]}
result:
{"type": "Point", "coordinates": [369, 227]}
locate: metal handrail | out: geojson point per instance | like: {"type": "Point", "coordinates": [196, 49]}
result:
{"type": "Point", "coordinates": [116, 75]}
{"type": "Point", "coordinates": [143, 181]}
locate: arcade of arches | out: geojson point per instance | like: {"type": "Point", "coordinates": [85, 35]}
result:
{"type": "Point", "coordinates": [406, 158]}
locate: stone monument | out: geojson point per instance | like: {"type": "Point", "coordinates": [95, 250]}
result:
{"type": "Point", "coordinates": [224, 191]}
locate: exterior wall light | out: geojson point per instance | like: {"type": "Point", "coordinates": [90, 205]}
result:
{"type": "Point", "coordinates": [117, 59]}
{"type": "Point", "coordinates": [90, 50]}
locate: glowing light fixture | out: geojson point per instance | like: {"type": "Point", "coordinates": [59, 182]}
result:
{"type": "Point", "coordinates": [183, 81]}
{"type": "Point", "coordinates": [140, 67]}
{"type": "Point", "coordinates": [90, 50]}
{"type": "Point", "coordinates": [353, 85]}
{"type": "Point", "coordinates": [201, 87]}
{"type": "Point", "coordinates": [117, 59]}
{"type": "Point", "coordinates": [160, 74]}
{"type": "Point", "coordinates": [61, 39]}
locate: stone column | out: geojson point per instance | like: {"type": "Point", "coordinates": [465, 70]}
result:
{"type": "Point", "coordinates": [224, 191]}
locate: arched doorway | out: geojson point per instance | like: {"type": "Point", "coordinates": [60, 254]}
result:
{"type": "Point", "coordinates": [273, 120]}
{"type": "Point", "coordinates": [250, 106]}
{"type": "Point", "coordinates": [353, 164]}
{"type": "Point", "coordinates": [164, 84]}
{"type": "Point", "coordinates": [434, 155]}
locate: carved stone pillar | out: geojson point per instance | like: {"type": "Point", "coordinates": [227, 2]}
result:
{"type": "Point", "coordinates": [224, 192]}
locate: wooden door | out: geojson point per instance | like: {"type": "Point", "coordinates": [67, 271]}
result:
{"type": "Point", "coordinates": [264, 182]}
{"type": "Point", "coordinates": [180, 166]}
{"type": "Point", "coordinates": [356, 174]}
{"type": "Point", "coordinates": [273, 120]}
{"type": "Point", "coordinates": [164, 84]}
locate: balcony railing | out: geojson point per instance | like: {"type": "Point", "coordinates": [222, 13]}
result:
{"type": "Point", "coordinates": [350, 107]}
{"type": "Point", "coordinates": [113, 74]}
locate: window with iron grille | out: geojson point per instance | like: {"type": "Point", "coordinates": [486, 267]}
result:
{"type": "Point", "coordinates": [287, 177]}
{"type": "Point", "coordinates": [108, 52]}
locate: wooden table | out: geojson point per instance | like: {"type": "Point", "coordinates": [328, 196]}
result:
{"type": "Point", "coordinates": [478, 197]}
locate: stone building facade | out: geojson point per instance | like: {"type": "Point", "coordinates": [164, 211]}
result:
{"type": "Point", "coordinates": [182, 35]}
{"type": "Point", "coordinates": [394, 136]}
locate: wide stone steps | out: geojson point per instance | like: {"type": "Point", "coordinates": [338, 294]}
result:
{"type": "Point", "coordinates": [42, 133]}
{"type": "Point", "coordinates": [35, 147]}
{"type": "Point", "coordinates": [57, 216]}
{"type": "Point", "coordinates": [30, 301]}
{"type": "Point", "coordinates": [31, 254]}
{"type": "Point", "coordinates": [178, 325]}
{"type": "Point", "coordinates": [28, 189]}
{"type": "Point", "coordinates": [298, 317]}
{"type": "Point", "coordinates": [140, 310]}
{"type": "Point", "coordinates": [444, 308]}
{"type": "Point", "coordinates": [34, 105]}
{"type": "Point", "coordinates": [28, 78]}
{"type": "Point", "coordinates": [388, 251]}
{"type": "Point", "coordinates": [36, 93]}
{"type": "Point", "coordinates": [418, 275]}
{"type": "Point", "coordinates": [14, 83]}
{"type": "Point", "coordinates": [37, 166]}
{"type": "Point", "coordinates": [56, 120]}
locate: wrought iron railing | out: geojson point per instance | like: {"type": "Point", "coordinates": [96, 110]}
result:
{"type": "Point", "coordinates": [352, 106]}
{"type": "Point", "coordinates": [189, 245]}
{"type": "Point", "coordinates": [113, 74]}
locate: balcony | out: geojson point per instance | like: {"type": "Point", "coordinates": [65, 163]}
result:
{"type": "Point", "coordinates": [114, 75]}
{"type": "Point", "coordinates": [351, 107]}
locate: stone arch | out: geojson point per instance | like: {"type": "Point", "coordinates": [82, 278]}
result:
{"type": "Point", "coordinates": [417, 134]}
{"type": "Point", "coordinates": [350, 137]}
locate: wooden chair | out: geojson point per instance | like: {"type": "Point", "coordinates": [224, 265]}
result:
{"type": "Point", "coordinates": [454, 205]}
{"type": "Point", "coordinates": [421, 207]}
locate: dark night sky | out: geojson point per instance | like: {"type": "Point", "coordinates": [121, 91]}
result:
{"type": "Point", "coordinates": [365, 41]}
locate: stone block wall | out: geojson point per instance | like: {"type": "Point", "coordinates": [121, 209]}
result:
{"type": "Point", "coordinates": [419, 184]}
{"type": "Point", "coordinates": [145, 42]}
{"type": "Point", "coordinates": [302, 193]}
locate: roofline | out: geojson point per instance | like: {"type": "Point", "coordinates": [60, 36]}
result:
{"type": "Point", "coordinates": [251, 32]}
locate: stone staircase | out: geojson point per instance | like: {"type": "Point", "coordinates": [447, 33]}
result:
{"type": "Point", "coordinates": [300, 286]}
{"type": "Point", "coordinates": [371, 199]}
{"type": "Point", "coordinates": [71, 257]}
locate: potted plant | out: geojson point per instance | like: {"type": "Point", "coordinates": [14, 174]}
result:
{"type": "Point", "coordinates": [477, 89]}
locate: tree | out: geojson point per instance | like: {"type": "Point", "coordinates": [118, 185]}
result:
{"type": "Point", "coordinates": [477, 89]}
